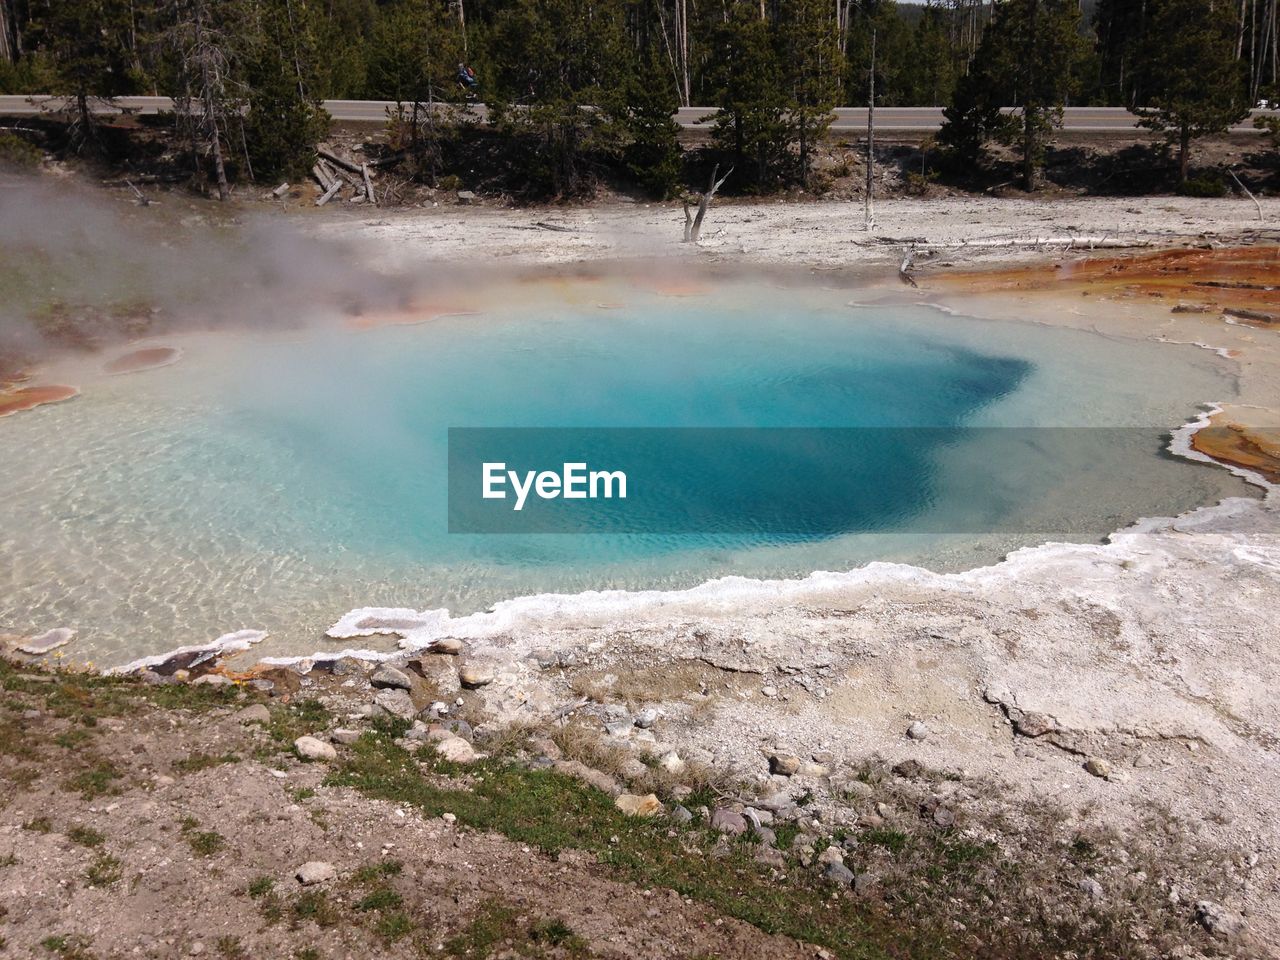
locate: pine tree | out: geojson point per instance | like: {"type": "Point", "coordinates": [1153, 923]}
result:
{"type": "Point", "coordinates": [415, 46]}
{"type": "Point", "coordinates": [644, 105]}
{"type": "Point", "coordinates": [1195, 85]}
{"type": "Point", "coordinates": [748, 90]}
{"type": "Point", "coordinates": [1025, 60]}
{"type": "Point", "coordinates": [284, 119]}
{"type": "Point", "coordinates": [88, 43]}
{"type": "Point", "coordinates": [810, 65]}
{"type": "Point", "coordinates": [554, 62]}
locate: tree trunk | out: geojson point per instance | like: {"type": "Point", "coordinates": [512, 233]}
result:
{"type": "Point", "coordinates": [868, 203]}
{"type": "Point", "coordinates": [1184, 155]}
{"type": "Point", "coordinates": [8, 33]}
{"type": "Point", "coordinates": [1028, 149]}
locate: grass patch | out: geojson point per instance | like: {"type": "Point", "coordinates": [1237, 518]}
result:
{"type": "Point", "coordinates": [68, 946]}
{"type": "Point", "coordinates": [38, 825]}
{"type": "Point", "coordinates": [260, 887]}
{"type": "Point", "coordinates": [384, 898]}
{"type": "Point", "coordinates": [393, 926]}
{"type": "Point", "coordinates": [498, 928]}
{"type": "Point", "coordinates": [104, 871]}
{"type": "Point", "coordinates": [372, 872]}
{"type": "Point", "coordinates": [203, 843]}
{"type": "Point", "coordinates": [86, 836]}
{"type": "Point", "coordinates": [97, 781]}
{"type": "Point", "coordinates": [203, 761]}
{"type": "Point", "coordinates": [314, 905]}
{"type": "Point", "coordinates": [553, 812]}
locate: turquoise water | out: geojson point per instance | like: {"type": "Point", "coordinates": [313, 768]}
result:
{"type": "Point", "coordinates": [275, 482]}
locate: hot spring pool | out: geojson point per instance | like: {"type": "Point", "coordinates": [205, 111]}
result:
{"type": "Point", "coordinates": [276, 481]}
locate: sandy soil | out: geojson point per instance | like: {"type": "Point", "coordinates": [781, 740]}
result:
{"type": "Point", "coordinates": [813, 234]}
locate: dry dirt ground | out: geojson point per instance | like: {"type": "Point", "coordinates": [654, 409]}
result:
{"type": "Point", "coordinates": [162, 862]}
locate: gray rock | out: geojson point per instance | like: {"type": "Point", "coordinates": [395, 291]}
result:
{"type": "Point", "coordinates": [345, 737]}
{"type": "Point", "coordinates": [545, 747]}
{"type": "Point", "coordinates": [728, 821]}
{"type": "Point", "coordinates": [1218, 920]}
{"type": "Point", "coordinates": [315, 871]}
{"type": "Point", "coordinates": [784, 764]}
{"type": "Point", "coordinates": [254, 713]}
{"type": "Point", "coordinates": [646, 718]}
{"type": "Point", "coordinates": [944, 817]}
{"type": "Point", "coordinates": [671, 762]}
{"type": "Point", "coordinates": [1032, 724]}
{"type": "Point", "coordinates": [864, 883]}
{"type": "Point", "coordinates": [212, 680]}
{"type": "Point", "coordinates": [595, 778]}
{"type": "Point", "coordinates": [837, 873]}
{"type": "Point", "coordinates": [681, 814]}
{"type": "Point", "coordinates": [1098, 767]}
{"type": "Point", "coordinates": [475, 674]}
{"type": "Point", "coordinates": [917, 730]}
{"type": "Point", "coordinates": [398, 703]}
{"type": "Point", "coordinates": [1091, 887]}
{"type": "Point", "coordinates": [769, 857]}
{"type": "Point", "coordinates": [466, 196]}
{"type": "Point", "coordinates": [387, 677]}
{"type": "Point", "coordinates": [309, 748]}
{"type": "Point", "coordinates": [618, 728]}
{"type": "Point", "coordinates": [1143, 760]}
{"type": "Point", "coordinates": [456, 750]}
{"type": "Point", "coordinates": [460, 728]}
{"type": "Point", "coordinates": [632, 769]}
{"type": "Point", "coordinates": [832, 854]}
{"type": "Point", "coordinates": [908, 769]}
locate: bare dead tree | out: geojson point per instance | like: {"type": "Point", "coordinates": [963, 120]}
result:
{"type": "Point", "coordinates": [868, 207]}
{"type": "Point", "coordinates": [693, 224]}
{"type": "Point", "coordinates": [207, 102]}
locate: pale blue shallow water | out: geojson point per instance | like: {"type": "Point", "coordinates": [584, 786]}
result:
{"type": "Point", "coordinates": [275, 482]}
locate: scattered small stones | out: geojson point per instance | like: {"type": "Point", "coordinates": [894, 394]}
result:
{"type": "Point", "coordinates": [254, 713]}
{"type": "Point", "coordinates": [387, 677]}
{"type": "Point", "coordinates": [315, 871]}
{"type": "Point", "coordinates": [309, 748]}
{"type": "Point", "coordinates": [784, 764]}
{"type": "Point", "coordinates": [636, 805]}
{"type": "Point", "coordinates": [728, 821]}
{"type": "Point", "coordinates": [1098, 767]}
{"type": "Point", "coordinates": [917, 730]}
{"type": "Point", "coordinates": [475, 674]}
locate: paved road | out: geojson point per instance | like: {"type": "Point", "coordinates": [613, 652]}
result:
{"type": "Point", "coordinates": [916, 119]}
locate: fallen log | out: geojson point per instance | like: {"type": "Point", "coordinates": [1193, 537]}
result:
{"type": "Point", "coordinates": [329, 194]}
{"type": "Point", "coordinates": [321, 177]}
{"type": "Point", "coordinates": [338, 161]}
